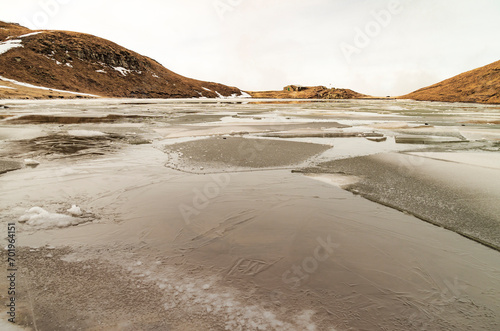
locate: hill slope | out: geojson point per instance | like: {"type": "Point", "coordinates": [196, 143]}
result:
{"type": "Point", "coordinates": [480, 85]}
{"type": "Point", "coordinates": [78, 62]}
{"type": "Point", "coordinates": [308, 92]}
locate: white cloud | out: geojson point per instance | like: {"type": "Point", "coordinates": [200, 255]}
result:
{"type": "Point", "coordinates": [259, 44]}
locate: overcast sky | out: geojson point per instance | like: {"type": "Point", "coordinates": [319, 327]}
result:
{"type": "Point", "coordinates": [378, 47]}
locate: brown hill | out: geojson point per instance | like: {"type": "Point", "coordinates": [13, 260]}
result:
{"type": "Point", "coordinates": [78, 62]}
{"type": "Point", "coordinates": [480, 85]}
{"type": "Point", "coordinates": [308, 92]}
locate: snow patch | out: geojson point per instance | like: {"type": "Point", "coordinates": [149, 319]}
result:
{"type": "Point", "coordinates": [206, 89]}
{"type": "Point", "coordinates": [75, 211]}
{"type": "Point", "coordinates": [101, 71]}
{"type": "Point", "coordinates": [122, 70]}
{"type": "Point", "coordinates": [205, 297]}
{"type": "Point", "coordinates": [30, 34]}
{"type": "Point", "coordinates": [12, 88]}
{"type": "Point", "coordinates": [39, 218]}
{"type": "Point", "coordinates": [234, 95]}
{"type": "Point", "coordinates": [10, 44]}
{"type": "Point", "coordinates": [45, 88]}
{"type": "Point", "coordinates": [68, 65]}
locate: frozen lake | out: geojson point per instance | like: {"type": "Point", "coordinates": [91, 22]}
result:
{"type": "Point", "coordinates": [253, 214]}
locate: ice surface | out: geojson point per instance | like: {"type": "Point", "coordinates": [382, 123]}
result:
{"type": "Point", "coordinates": [85, 133]}
{"type": "Point", "coordinates": [39, 218]}
{"type": "Point", "coordinates": [384, 257]}
{"type": "Point", "coordinates": [207, 298]}
{"type": "Point", "coordinates": [7, 326]}
{"type": "Point", "coordinates": [122, 70]}
{"type": "Point", "coordinates": [480, 159]}
{"type": "Point", "coordinates": [31, 162]}
{"type": "Point", "coordinates": [9, 44]}
{"type": "Point", "coordinates": [75, 211]}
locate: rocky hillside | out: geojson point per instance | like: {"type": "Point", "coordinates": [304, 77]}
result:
{"type": "Point", "coordinates": [309, 92]}
{"type": "Point", "coordinates": [82, 63]}
{"type": "Point", "coordinates": [480, 85]}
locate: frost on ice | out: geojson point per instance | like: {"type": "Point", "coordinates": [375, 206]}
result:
{"type": "Point", "coordinates": [39, 218]}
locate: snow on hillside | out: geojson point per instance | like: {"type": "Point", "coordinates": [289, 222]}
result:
{"type": "Point", "coordinates": [45, 88]}
{"type": "Point", "coordinates": [124, 71]}
{"type": "Point", "coordinates": [234, 95]}
{"type": "Point", "coordinates": [30, 34]}
{"type": "Point", "coordinates": [10, 44]}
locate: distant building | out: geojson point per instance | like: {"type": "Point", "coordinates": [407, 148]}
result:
{"type": "Point", "coordinates": [295, 88]}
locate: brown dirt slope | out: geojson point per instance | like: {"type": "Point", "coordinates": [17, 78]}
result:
{"type": "Point", "coordinates": [480, 85]}
{"type": "Point", "coordinates": [309, 92]}
{"type": "Point", "coordinates": [84, 63]}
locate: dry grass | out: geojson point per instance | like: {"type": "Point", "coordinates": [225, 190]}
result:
{"type": "Point", "coordinates": [71, 61]}
{"type": "Point", "coordinates": [481, 85]}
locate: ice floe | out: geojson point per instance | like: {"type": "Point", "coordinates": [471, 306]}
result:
{"type": "Point", "coordinates": [39, 218]}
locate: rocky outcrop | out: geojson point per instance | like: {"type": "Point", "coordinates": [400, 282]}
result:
{"type": "Point", "coordinates": [309, 92]}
